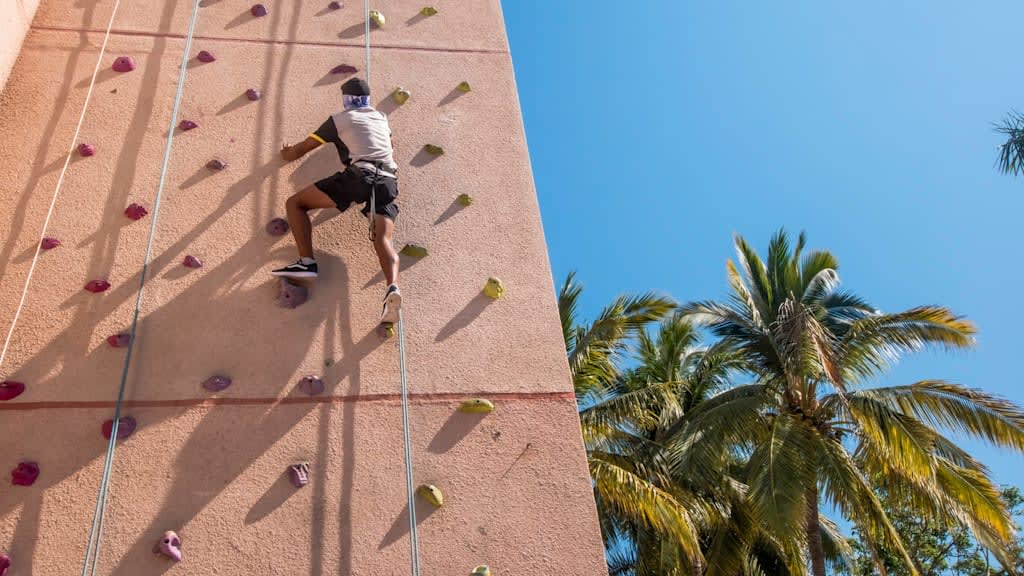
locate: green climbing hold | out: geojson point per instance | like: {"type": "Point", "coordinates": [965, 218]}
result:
{"type": "Point", "coordinates": [428, 11]}
{"type": "Point", "coordinates": [482, 570]}
{"type": "Point", "coordinates": [431, 494]}
{"type": "Point", "coordinates": [464, 87]}
{"type": "Point", "coordinates": [465, 199]}
{"type": "Point", "coordinates": [494, 288]}
{"type": "Point", "coordinates": [386, 330]}
{"type": "Point", "coordinates": [434, 150]}
{"type": "Point", "coordinates": [377, 18]}
{"type": "Point", "coordinates": [477, 406]}
{"type": "Point", "coordinates": [401, 95]}
{"type": "Point", "coordinates": [415, 251]}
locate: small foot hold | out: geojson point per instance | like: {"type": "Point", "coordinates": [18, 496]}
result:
{"type": "Point", "coordinates": [86, 150]}
{"type": "Point", "coordinates": [135, 211]}
{"type": "Point", "coordinates": [415, 251]}
{"type": "Point", "coordinates": [216, 165]}
{"type": "Point", "coordinates": [291, 295]}
{"type": "Point", "coordinates": [428, 11]}
{"type": "Point", "coordinates": [335, 5]}
{"type": "Point", "coordinates": [205, 56]}
{"type": "Point", "coordinates": [481, 570]}
{"type": "Point", "coordinates": [125, 427]}
{"type": "Point", "coordinates": [277, 227]}
{"type": "Point", "coordinates": [49, 243]}
{"type": "Point", "coordinates": [386, 330]}
{"type": "Point", "coordinates": [253, 94]}
{"type": "Point", "coordinates": [477, 406]}
{"type": "Point", "coordinates": [401, 96]}
{"type": "Point", "coordinates": [123, 64]}
{"type": "Point", "coordinates": [217, 383]}
{"type": "Point", "coordinates": [25, 474]}
{"type": "Point", "coordinates": [299, 474]}
{"type": "Point", "coordinates": [344, 69]}
{"type": "Point", "coordinates": [119, 340]}
{"type": "Point", "coordinates": [431, 494]}
{"type": "Point", "coordinates": [97, 286]}
{"type": "Point", "coordinates": [186, 125]}
{"type": "Point", "coordinates": [434, 150]}
{"type": "Point", "coordinates": [494, 288]}
{"type": "Point", "coordinates": [258, 10]}
{"type": "Point", "coordinates": [192, 262]}
{"type": "Point", "coordinates": [169, 546]}
{"type": "Point", "coordinates": [465, 199]}
{"type": "Point", "coordinates": [9, 389]}
{"type": "Point", "coordinates": [5, 563]}
{"type": "Point", "coordinates": [311, 385]}
{"type": "Point", "coordinates": [464, 87]}
{"type": "Point", "coordinates": [377, 18]}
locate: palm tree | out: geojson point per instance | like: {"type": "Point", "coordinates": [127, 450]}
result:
{"type": "Point", "coordinates": [809, 432]}
{"type": "Point", "coordinates": [1011, 154]}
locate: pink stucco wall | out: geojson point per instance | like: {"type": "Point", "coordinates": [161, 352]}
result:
{"type": "Point", "coordinates": [15, 18]}
{"type": "Point", "coordinates": [212, 465]}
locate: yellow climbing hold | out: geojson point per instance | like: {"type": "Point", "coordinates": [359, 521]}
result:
{"type": "Point", "coordinates": [415, 251]}
{"type": "Point", "coordinates": [377, 18]}
{"type": "Point", "coordinates": [401, 95]}
{"type": "Point", "coordinates": [482, 570]}
{"type": "Point", "coordinates": [386, 330]}
{"type": "Point", "coordinates": [465, 199]}
{"type": "Point", "coordinates": [477, 406]}
{"type": "Point", "coordinates": [464, 87]}
{"type": "Point", "coordinates": [431, 494]}
{"type": "Point", "coordinates": [428, 11]}
{"type": "Point", "coordinates": [494, 288]}
{"type": "Point", "coordinates": [434, 150]}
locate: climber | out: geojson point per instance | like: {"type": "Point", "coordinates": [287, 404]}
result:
{"type": "Point", "coordinates": [362, 137]}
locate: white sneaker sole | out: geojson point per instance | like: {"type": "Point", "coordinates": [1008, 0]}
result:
{"type": "Point", "coordinates": [392, 305]}
{"type": "Point", "coordinates": [287, 274]}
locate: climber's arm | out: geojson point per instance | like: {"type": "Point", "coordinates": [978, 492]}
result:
{"type": "Point", "coordinates": [289, 153]}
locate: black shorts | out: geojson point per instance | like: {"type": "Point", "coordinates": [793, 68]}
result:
{"type": "Point", "coordinates": [353, 186]}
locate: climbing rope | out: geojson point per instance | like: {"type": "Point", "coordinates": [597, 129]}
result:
{"type": "Point", "coordinates": [92, 552]}
{"type": "Point", "coordinates": [60, 182]}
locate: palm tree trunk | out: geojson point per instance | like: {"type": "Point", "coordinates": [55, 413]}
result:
{"type": "Point", "coordinates": [814, 543]}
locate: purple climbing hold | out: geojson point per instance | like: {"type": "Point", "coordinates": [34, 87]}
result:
{"type": "Point", "coordinates": [291, 295]}
{"type": "Point", "coordinates": [49, 243]}
{"type": "Point", "coordinates": [205, 56]}
{"type": "Point", "coordinates": [253, 94]}
{"type": "Point", "coordinates": [125, 427]}
{"type": "Point", "coordinates": [119, 340]}
{"type": "Point", "coordinates": [25, 474]}
{"type": "Point", "coordinates": [258, 10]}
{"type": "Point", "coordinates": [135, 211]}
{"type": "Point", "coordinates": [217, 383]}
{"type": "Point", "coordinates": [312, 385]}
{"type": "Point", "coordinates": [86, 150]}
{"type": "Point", "coordinates": [10, 389]}
{"type": "Point", "coordinates": [123, 64]}
{"type": "Point", "coordinates": [97, 286]}
{"type": "Point", "coordinates": [299, 474]}
{"type": "Point", "coordinates": [216, 165]}
{"type": "Point", "coordinates": [187, 125]}
{"type": "Point", "coordinates": [192, 262]}
{"type": "Point", "coordinates": [344, 69]}
{"type": "Point", "coordinates": [277, 227]}
{"type": "Point", "coordinates": [169, 545]}
{"type": "Point", "coordinates": [5, 563]}
{"type": "Point", "coordinates": [335, 5]}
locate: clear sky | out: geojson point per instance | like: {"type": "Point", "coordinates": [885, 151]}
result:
{"type": "Point", "coordinates": [657, 132]}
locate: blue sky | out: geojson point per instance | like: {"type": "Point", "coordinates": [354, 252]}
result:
{"type": "Point", "coordinates": [656, 133]}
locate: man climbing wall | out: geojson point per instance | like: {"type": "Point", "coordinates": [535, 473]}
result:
{"type": "Point", "coordinates": [362, 137]}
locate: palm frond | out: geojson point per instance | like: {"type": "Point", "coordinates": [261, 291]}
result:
{"type": "Point", "coordinates": [1011, 153]}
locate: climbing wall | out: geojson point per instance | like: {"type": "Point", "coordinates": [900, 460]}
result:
{"type": "Point", "coordinates": [211, 462]}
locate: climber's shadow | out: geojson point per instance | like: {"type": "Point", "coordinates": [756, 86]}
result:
{"type": "Point", "coordinates": [464, 317]}
{"type": "Point", "coordinates": [400, 527]}
{"type": "Point", "coordinates": [458, 426]}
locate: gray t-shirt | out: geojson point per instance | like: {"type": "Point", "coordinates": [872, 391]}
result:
{"type": "Point", "coordinates": [359, 134]}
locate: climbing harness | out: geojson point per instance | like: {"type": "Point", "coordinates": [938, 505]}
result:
{"type": "Point", "coordinates": [92, 552]}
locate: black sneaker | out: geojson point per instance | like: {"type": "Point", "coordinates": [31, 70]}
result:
{"type": "Point", "coordinates": [297, 270]}
{"type": "Point", "coordinates": [392, 305]}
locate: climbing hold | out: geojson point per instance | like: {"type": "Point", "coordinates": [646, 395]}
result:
{"type": "Point", "coordinates": [135, 211]}
{"type": "Point", "coordinates": [86, 150]}
{"type": "Point", "coordinates": [97, 286]}
{"type": "Point", "coordinates": [169, 545]}
{"type": "Point", "coordinates": [344, 69]}
{"type": "Point", "coordinates": [205, 56]}
{"type": "Point", "coordinates": [291, 295]}
{"type": "Point", "coordinates": [414, 251]}
{"type": "Point", "coordinates": [253, 94]}
{"type": "Point", "coordinates": [299, 474]}
{"type": "Point", "coordinates": [377, 18]}
{"type": "Point", "coordinates": [335, 5]}
{"type": "Point", "coordinates": [5, 563]}
{"type": "Point", "coordinates": [217, 383]}
{"type": "Point", "coordinates": [428, 11]}
{"type": "Point", "coordinates": [123, 64]}
{"type": "Point", "coordinates": [258, 10]}
{"type": "Point", "coordinates": [401, 95]}
{"type": "Point", "coordinates": [125, 427]}
{"type": "Point", "coordinates": [465, 199]}
{"type": "Point", "coordinates": [49, 243]}
{"type": "Point", "coordinates": [494, 288]}
{"type": "Point", "coordinates": [187, 125]}
{"type": "Point", "coordinates": [386, 330]}
{"type": "Point", "coordinates": [10, 389]}
{"type": "Point", "coordinates": [277, 227]}
{"type": "Point", "coordinates": [192, 262]}
{"type": "Point", "coordinates": [477, 406]}
{"type": "Point", "coordinates": [119, 340]}
{"type": "Point", "coordinates": [431, 494]}
{"type": "Point", "coordinates": [311, 385]}
{"type": "Point", "coordinates": [481, 570]}
{"type": "Point", "coordinates": [464, 87]}
{"type": "Point", "coordinates": [25, 474]}
{"type": "Point", "coordinates": [434, 150]}
{"type": "Point", "coordinates": [216, 165]}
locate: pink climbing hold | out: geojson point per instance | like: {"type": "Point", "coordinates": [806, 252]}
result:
{"type": "Point", "coordinates": [25, 474]}
{"type": "Point", "coordinates": [5, 563]}
{"type": "Point", "coordinates": [125, 427]}
{"type": "Point", "coordinates": [10, 389]}
{"type": "Point", "coordinates": [311, 385]}
{"type": "Point", "coordinates": [344, 69]}
{"type": "Point", "coordinates": [216, 165]}
{"type": "Point", "coordinates": [192, 262]}
{"type": "Point", "coordinates": [97, 286]}
{"type": "Point", "coordinates": [253, 94]}
{"type": "Point", "coordinates": [135, 211]}
{"type": "Point", "coordinates": [119, 340]}
{"type": "Point", "coordinates": [291, 295]}
{"type": "Point", "coordinates": [299, 474]}
{"type": "Point", "coordinates": [187, 125]}
{"type": "Point", "coordinates": [49, 243]}
{"type": "Point", "coordinates": [335, 5]}
{"type": "Point", "coordinates": [205, 56]}
{"type": "Point", "coordinates": [258, 10]}
{"type": "Point", "coordinates": [86, 150]}
{"type": "Point", "coordinates": [217, 383]}
{"type": "Point", "coordinates": [277, 227]}
{"type": "Point", "coordinates": [169, 545]}
{"type": "Point", "coordinates": [123, 64]}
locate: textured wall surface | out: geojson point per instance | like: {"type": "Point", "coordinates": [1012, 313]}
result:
{"type": "Point", "coordinates": [15, 18]}
{"type": "Point", "coordinates": [212, 466]}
